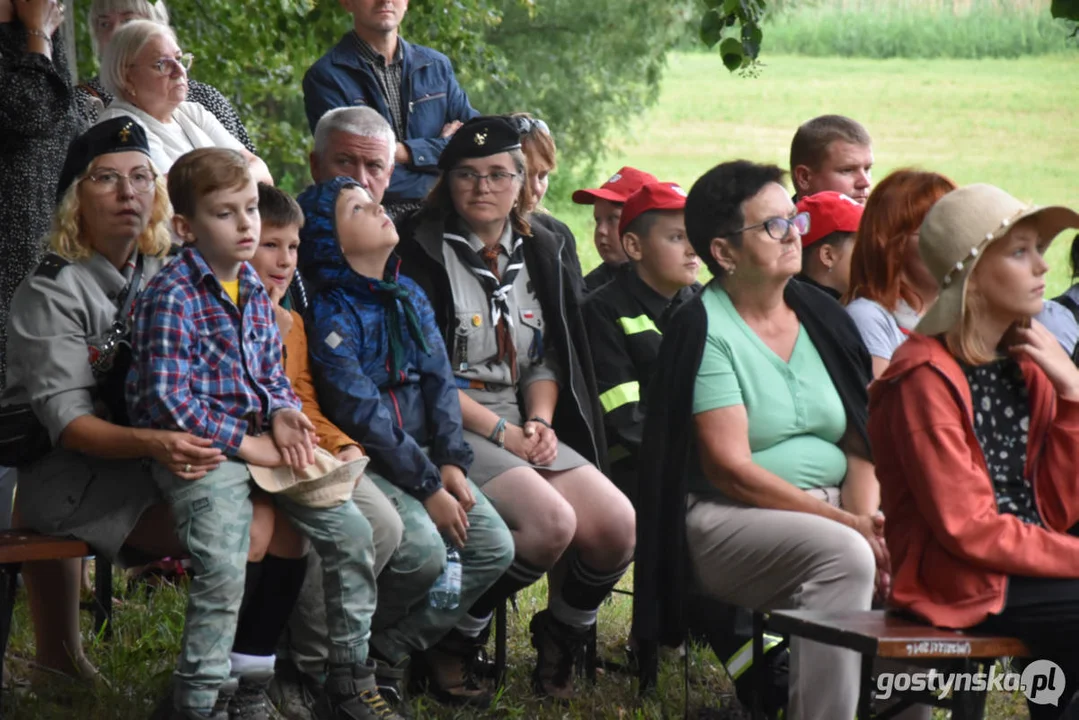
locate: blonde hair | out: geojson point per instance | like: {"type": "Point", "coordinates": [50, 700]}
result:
{"type": "Point", "coordinates": [962, 340]}
{"type": "Point", "coordinates": [128, 42]}
{"type": "Point", "coordinates": [65, 238]}
{"type": "Point", "coordinates": [145, 9]}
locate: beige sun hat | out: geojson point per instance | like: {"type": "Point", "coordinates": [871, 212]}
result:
{"type": "Point", "coordinates": [328, 482]}
{"type": "Point", "coordinates": [956, 232]}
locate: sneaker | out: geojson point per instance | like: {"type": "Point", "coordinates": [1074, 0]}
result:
{"type": "Point", "coordinates": [250, 701]}
{"type": "Point", "coordinates": [294, 693]}
{"type": "Point", "coordinates": [352, 694]}
{"type": "Point", "coordinates": [392, 680]}
{"type": "Point", "coordinates": [560, 649]}
{"type": "Point", "coordinates": [165, 710]}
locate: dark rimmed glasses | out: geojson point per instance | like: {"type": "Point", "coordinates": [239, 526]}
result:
{"type": "Point", "coordinates": [778, 227]}
{"type": "Point", "coordinates": [525, 125]}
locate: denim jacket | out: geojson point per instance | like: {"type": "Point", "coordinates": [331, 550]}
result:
{"type": "Point", "coordinates": [430, 98]}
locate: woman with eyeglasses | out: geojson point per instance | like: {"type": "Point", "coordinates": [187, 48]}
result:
{"type": "Point", "coordinates": [83, 472]}
{"type": "Point", "coordinates": [145, 69]}
{"type": "Point", "coordinates": [502, 295]}
{"type": "Point", "coordinates": [890, 287]}
{"type": "Point", "coordinates": [107, 16]}
{"type": "Point", "coordinates": [757, 423]}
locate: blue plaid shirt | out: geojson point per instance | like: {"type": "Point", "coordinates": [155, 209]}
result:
{"type": "Point", "coordinates": [202, 365]}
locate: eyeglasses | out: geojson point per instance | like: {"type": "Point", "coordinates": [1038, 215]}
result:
{"type": "Point", "coordinates": [778, 227]}
{"type": "Point", "coordinates": [172, 66]}
{"type": "Point", "coordinates": [525, 125]}
{"type": "Point", "coordinates": [498, 180]}
{"type": "Point", "coordinates": [142, 180]}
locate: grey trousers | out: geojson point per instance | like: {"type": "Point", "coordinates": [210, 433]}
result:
{"type": "Point", "coordinates": [305, 639]}
{"type": "Point", "coordinates": [777, 560]}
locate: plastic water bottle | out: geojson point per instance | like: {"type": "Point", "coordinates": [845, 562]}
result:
{"type": "Point", "coordinates": [446, 592]}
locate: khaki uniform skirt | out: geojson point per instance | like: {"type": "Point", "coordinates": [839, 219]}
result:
{"type": "Point", "coordinates": [490, 460]}
{"type": "Point", "coordinates": [91, 499]}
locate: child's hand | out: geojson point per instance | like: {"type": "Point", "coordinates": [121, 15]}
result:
{"type": "Point", "coordinates": [448, 516]}
{"type": "Point", "coordinates": [349, 453]}
{"type": "Point", "coordinates": [281, 314]}
{"type": "Point", "coordinates": [294, 435]}
{"type": "Point", "coordinates": [261, 450]}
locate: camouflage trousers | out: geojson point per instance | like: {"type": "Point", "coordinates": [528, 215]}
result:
{"type": "Point", "coordinates": [404, 620]}
{"type": "Point", "coordinates": [213, 519]}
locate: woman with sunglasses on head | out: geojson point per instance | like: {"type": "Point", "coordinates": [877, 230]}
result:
{"type": "Point", "coordinates": [147, 72]}
{"type": "Point", "coordinates": [502, 297]}
{"type": "Point", "coordinates": [539, 150]}
{"type": "Point", "coordinates": [890, 287]}
{"type": "Point", "coordinates": [975, 425]}
{"type": "Point", "coordinates": [756, 423]}
{"type": "Point", "coordinates": [106, 17]}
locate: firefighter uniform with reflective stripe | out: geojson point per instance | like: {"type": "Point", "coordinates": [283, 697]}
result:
{"type": "Point", "coordinates": [623, 319]}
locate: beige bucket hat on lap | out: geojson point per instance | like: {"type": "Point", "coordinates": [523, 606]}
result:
{"type": "Point", "coordinates": [956, 232]}
{"type": "Point", "coordinates": [326, 483]}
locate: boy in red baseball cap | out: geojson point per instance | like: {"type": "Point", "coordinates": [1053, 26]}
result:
{"type": "Point", "coordinates": [623, 317]}
{"type": "Point", "coordinates": [608, 200]}
{"type": "Point", "coordinates": [827, 247]}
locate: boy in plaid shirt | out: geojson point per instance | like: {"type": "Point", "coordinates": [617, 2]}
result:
{"type": "Point", "coordinates": [207, 360]}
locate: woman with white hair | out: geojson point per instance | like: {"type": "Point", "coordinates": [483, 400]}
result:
{"type": "Point", "coordinates": [107, 16]}
{"type": "Point", "coordinates": [145, 69]}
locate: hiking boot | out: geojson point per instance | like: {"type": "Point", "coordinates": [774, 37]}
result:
{"type": "Point", "coordinates": [250, 701]}
{"type": "Point", "coordinates": [293, 692]}
{"type": "Point", "coordinates": [449, 670]}
{"type": "Point", "coordinates": [165, 709]}
{"type": "Point", "coordinates": [352, 694]}
{"type": "Point", "coordinates": [560, 649]}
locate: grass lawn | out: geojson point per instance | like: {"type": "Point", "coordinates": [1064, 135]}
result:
{"type": "Point", "coordinates": [1008, 122]}
{"type": "Point", "coordinates": [1011, 123]}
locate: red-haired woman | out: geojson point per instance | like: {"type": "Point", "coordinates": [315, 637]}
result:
{"type": "Point", "coordinates": [890, 287]}
{"type": "Point", "coordinates": [975, 432]}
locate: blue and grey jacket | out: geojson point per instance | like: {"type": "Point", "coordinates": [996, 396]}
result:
{"type": "Point", "coordinates": [394, 415]}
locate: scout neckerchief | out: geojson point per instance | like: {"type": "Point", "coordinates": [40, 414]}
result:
{"type": "Point", "coordinates": [390, 292]}
{"type": "Point", "coordinates": [497, 286]}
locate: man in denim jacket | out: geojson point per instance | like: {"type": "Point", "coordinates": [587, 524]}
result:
{"type": "Point", "coordinates": [412, 86]}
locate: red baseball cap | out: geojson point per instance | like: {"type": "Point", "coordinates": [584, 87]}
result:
{"type": "Point", "coordinates": [617, 189]}
{"type": "Point", "coordinates": [829, 212]}
{"type": "Point", "coordinates": [651, 196]}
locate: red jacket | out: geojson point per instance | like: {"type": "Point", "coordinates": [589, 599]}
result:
{"type": "Point", "coordinates": [952, 550]}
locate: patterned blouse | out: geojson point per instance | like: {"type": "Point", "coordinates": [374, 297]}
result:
{"type": "Point", "coordinates": [39, 117]}
{"type": "Point", "coordinates": [1001, 424]}
{"type": "Point", "coordinates": [206, 95]}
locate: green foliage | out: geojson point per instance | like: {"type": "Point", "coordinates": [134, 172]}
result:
{"type": "Point", "coordinates": [585, 68]}
{"type": "Point", "coordinates": [734, 25]}
{"type": "Point", "coordinates": [915, 30]}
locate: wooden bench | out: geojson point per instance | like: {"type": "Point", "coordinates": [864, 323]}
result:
{"type": "Point", "coordinates": [20, 546]}
{"type": "Point", "coordinates": [878, 634]}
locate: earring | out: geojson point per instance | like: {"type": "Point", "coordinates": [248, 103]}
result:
{"type": "Point", "coordinates": [730, 272]}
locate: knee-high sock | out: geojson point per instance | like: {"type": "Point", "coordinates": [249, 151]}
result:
{"type": "Point", "coordinates": [583, 589]}
{"type": "Point", "coordinates": [266, 612]}
{"type": "Point", "coordinates": [518, 576]}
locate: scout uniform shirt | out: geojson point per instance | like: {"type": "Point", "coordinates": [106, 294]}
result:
{"type": "Point", "coordinates": [623, 319]}
{"type": "Point", "coordinates": [60, 336]}
{"type": "Point", "coordinates": [475, 337]}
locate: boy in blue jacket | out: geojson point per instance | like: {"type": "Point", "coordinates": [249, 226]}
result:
{"type": "Point", "coordinates": [384, 377]}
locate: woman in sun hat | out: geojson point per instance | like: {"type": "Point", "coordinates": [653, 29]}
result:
{"type": "Point", "coordinates": [975, 430]}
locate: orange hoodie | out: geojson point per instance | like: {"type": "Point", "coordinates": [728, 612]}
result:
{"type": "Point", "coordinates": [952, 549]}
{"type": "Point", "coordinates": [298, 369]}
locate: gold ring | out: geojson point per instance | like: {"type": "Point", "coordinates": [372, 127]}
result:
{"type": "Point", "coordinates": [187, 468]}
